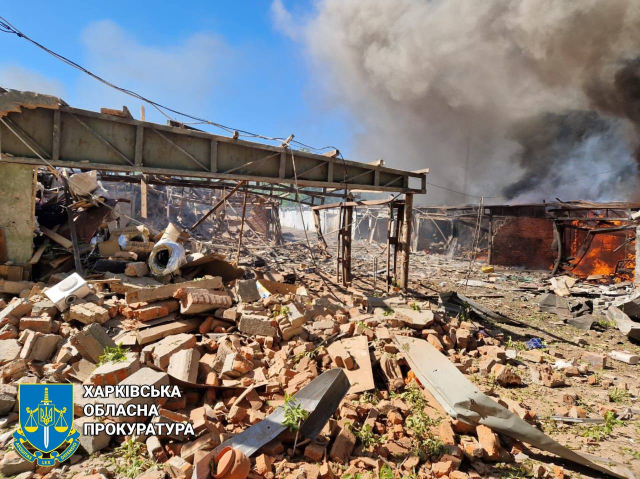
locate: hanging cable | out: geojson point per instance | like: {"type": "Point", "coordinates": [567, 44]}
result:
{"type": "Point", "coordinates": [7, 27]}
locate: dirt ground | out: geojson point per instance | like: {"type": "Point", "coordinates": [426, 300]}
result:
{"type": "Point", "coordinates": [515, 294]}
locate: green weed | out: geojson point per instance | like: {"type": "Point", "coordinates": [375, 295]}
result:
{"type": "Point", "coordinates": [619, 395]}
{"type": "Point", "coordinates": [367, 437]}
{"type": "Point", "coordinates": [601, 431]}
{"type": "Point", "coordinates": [132, 460]}
{"type": "Point", "coordinates": [113, 355]}
{"type": "Point", "coordinates": [294, 416]}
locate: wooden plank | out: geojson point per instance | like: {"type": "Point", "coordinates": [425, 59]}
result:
{"type": "Point", "coordinates": [150, 335]}
{"type": "Point", "coordinates": [52, 235]}
{"type": "Point", "coordinates": [218, 205]}
{"type": "Point", "coordinates": [59, 260]}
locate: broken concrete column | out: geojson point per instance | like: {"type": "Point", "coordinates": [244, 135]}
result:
{"type": "Point", "coordinates": [8, 394]}
{"type": "Point", "coordinates": [144, 376]}
{"type": "Point", "coordinates": [13, 464]}
{"type": "Point", "coordinates": [17, 308]}
{"type": "Point", "coordinates": [91, 342]}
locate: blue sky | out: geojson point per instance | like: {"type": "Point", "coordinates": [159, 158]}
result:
{"type": "Point", "coordinates": [224, 61]}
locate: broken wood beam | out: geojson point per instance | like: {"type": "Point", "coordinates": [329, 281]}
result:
{"type": "Point", "coordinates": [52, 235]}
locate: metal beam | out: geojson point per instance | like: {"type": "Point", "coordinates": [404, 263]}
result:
{"type": "Point", "coordinates": [75, 138]}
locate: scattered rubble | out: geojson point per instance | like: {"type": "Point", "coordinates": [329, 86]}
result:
{"type": "Point", "coordinates": [471, 373]}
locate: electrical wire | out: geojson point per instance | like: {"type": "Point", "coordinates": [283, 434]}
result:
{"type": "Point", "coordinates": [7, 27]}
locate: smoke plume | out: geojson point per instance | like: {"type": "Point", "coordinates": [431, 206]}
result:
{"type": "Point", "coordinates": [511, 98]}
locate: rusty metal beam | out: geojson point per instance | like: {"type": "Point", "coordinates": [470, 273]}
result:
{"type": "Point", "coordinates": [75, 138]}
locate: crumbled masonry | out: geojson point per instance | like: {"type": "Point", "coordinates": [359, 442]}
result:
{"type": "Point", "coordinates": [391, 359]}
{"type": "Point", "coordinates": [233, 370]}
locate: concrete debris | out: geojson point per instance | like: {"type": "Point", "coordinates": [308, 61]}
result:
{"type": "Point", "coordinates": [91, 342]}
{"type": "Point", "coordinates": [378, 381]}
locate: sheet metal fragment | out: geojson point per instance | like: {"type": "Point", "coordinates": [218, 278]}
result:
{"type": "Point", "coordinates": [458, 300]}
{"type": "Point", "coordinates": [463, 401]}
{"type": "Point", "coordinates": [320, 397]}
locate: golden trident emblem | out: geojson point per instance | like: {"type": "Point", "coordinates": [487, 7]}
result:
{"type": "Point", "coordinates": [46, 410]}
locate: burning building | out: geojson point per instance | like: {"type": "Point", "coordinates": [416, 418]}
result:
{"type": "Point", "coordinates": [580, 238]}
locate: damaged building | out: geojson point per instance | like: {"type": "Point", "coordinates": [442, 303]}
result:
{"type": "Point", "coordinates": [311, 331]}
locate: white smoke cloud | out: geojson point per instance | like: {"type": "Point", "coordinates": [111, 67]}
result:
{"type": "Point", "coordinates": [19, 78]}
{"type": "Point", "coordinates": [445, 84]}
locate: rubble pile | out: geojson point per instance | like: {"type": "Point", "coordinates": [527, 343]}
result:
{"type": "Point", "coordinates": [242, 349]}
{"type": "Point", "coordinates": [283, 373]}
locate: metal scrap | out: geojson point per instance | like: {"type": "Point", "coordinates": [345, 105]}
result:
{"type": "Point", "coordinates": [465, 402]}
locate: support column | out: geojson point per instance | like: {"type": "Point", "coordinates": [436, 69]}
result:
{"type": "Point", "coordinates": [405, 241]}
{"type": "Point", "coordinates": [17, 212]}
{"type": "Point", "coordinates": [391, 241]}
{"type": "Point", "coordinates": [346, 242]}
{"type": "Point", "coordinates": [344, 245]}
{"type": "Point", "coordinates": [316, 219]}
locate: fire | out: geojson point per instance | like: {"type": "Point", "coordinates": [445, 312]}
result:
{"type": "Point", "coordinates": [606, 255]}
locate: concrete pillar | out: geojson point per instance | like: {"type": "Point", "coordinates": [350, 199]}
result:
{"type": "Point", "coordinates": [17, 211]}
{"type": "Point", "coordinates": [346, 232]}
{"type": "Point", "coordinates": [405, 241]}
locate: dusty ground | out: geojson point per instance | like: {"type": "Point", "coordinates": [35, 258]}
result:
{"type": "Point", "coordinates": [431, 274]}
{"type": "Point", "coordinates": [514, 293]}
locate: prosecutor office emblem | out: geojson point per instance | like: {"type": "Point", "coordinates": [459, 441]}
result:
{"type": "Point", "coordinates": [46, 423]}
